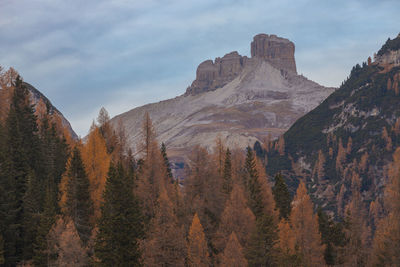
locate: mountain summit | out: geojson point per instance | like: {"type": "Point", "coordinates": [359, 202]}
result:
{"type": "Point", "coordinates": [237, 98]}
{"type": "Point", "coordinates": [211, 75]}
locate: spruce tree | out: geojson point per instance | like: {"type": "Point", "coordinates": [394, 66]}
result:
{"type": "Point", "coordinates": [166, 162]}
{"type": "Point", "coordinates": [22, 160]}
{"type": "Point", "coordinates": [253, 185]}
{"type": "Point", "coordinates": [120, 226]}
{"type": "Point", "coordinates": [262, 249]}
{"type": "Point", "coordinates": [79, 203]}
{"type": "Point", "coordinates": [227, 174]}
{"type": "Point", "coordinates": [282, 197]}
{"type": "Point", "coordinates": [47, 219]}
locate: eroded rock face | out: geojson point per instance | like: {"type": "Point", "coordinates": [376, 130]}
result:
{"type": "Point", "coordinates": [238, 99]}
{"type": "Point", "coordinates": [276, 50]}
{"type": "Point", "coordinates": [211, 75]}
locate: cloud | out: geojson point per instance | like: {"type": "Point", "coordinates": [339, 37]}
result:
{"type": "Point", "coordinates": [125, 53]}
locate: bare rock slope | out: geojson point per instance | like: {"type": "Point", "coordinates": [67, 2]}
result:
{"type": "Point", "coordinates": [240, 99]}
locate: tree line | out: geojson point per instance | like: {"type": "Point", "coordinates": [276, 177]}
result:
{"type": "Point", "coordinates": [64, 202]}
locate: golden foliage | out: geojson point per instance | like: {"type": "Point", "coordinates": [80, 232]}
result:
{"type": "Point", "coordinates": [236, 217]}
{"type": "Point", "coordinates": [387, 236]}
{"type": "Point", "coordinates": [233, 254]}
{"type": "Point", "coordinates": [97, 162]}
{"type": "Point", "coordinates": [356, 250]}
{"type": "Point", "coordinates": [305, 226]}
{"type": "Point", "coordinates": [197, 252]}
{"type": "Point", "coordinates": [165, 244]}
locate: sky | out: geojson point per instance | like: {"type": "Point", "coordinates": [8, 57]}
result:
{"type": "Point", "coordinates": [121, 54]}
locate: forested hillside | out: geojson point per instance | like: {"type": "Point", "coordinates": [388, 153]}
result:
{"type": "Point", "coordinates": [95, 204]}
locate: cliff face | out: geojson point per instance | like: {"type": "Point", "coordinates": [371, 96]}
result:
{"type": "Point", "coordinates": [237, 98]}
{"type": "Point", "coordinates": [277, 51]}
{"type": "Point", "coordinates": [211, 75]}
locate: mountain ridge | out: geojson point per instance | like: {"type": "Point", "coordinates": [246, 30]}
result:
{"type": "Point", "coordinates": [355, 129]}
{"type": "Point", "coordinates": [259, 99]}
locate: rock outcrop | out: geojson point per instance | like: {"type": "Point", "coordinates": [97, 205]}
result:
{"type": "Point", "coordinates": [276, 50]}
{"type": "Point", "coordinates": [211, 75]}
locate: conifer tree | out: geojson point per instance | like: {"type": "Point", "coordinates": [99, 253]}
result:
{"type": "Point", "coordinates": [332, 236]}
{"type": "Point", "coordinates": [236, 217]}
{"type": "Point", "coordinates": [203, 190]}
{"type": "Point", "coordinates": [167, 165]}
{"type": "Point", "coordinates": [47, 219]}
{"type": "Point", "coordinates": [262, 248]}
{"type": "Point", "coordinates": [120, 226]}
{"type": "Point", "coordinates": [356, 250]}
{"type": "Point", "coordinates": [260, 200]}
{"type": "Point", "coordinates": [96, 161]}
{"type": "Point", "coordinates": [197, 253]}
{"type": "Point", "coordinates": [165, 244]}
{"type": "Point", "coordinates": [21, 161]}
{"type": "Point", "coordinates": [233, 255]}
{"type": "Point", "coordinates": [79, 204]}
{"type": "Point", "coordinates": [65, 248]}
{"type": "Point", "coordinates": [227, 174]}
{"type": "Point", "coordinates": [253, 186]}
{"type": "Point", "coordinates": [288, 254]}
{"type": "Point", "coordinates": [282, 197]}
{"type": "Point", "coordinates": [150, 173]}
{"type": "Point", "coordinates": [305, 226]}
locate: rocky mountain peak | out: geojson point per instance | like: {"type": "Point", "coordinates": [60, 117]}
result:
{"type": "Point", "coordinates": [276, 50]}
{"type": "Point", "coordinates": [211, 75]}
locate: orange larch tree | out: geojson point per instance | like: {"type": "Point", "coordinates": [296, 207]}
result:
{"type": "Point", "coordinates": [305, 226]}
{"type": "Point", "coordinates": [165, 244]}
{"type": "Point", "coordinates": [233, 255]}
{"type": "Point", "coordinates": [197, 252]}
{"type": "Point", "coordinates": [97, 162]}
{"type": "Point", "coordinates": [356, 251]}
{"type": "Point", "coordinates": [386, 249]}
{"type": "Point", "coordinates": [236, 217]}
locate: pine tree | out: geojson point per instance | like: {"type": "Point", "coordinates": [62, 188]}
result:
{"type": "Point", "coordinates": [197, 253]}
{"type": "Point", "coordinates": [262, 248]}
{"type": "Point", "coordinates": [167, 165]}
{"type": "Point", "coordinates": [120, 226]}
{"type": "Point", "coordinates": [47, 219]}
{"type": "Point", "coordinates": [233, 255]}
{"type": "Point", "coordinates": [260, 200]}
{"type": "Point", "coordinates": [165, 244]}
{"type": "Point", "coordinates": [282, 197]}
{"type": "Point", "coordinates": [227, 174]}
{"type": "Point", "coordinates": [79, 204]}
{"type": "Point", "coordinates": [21, 162]}
{"type": "Point", "coordinates": [332, 236]}
{"type": "Point", "coordinates": [305, 227]}
{"type": "Point", "coordinates": [253, 186]}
